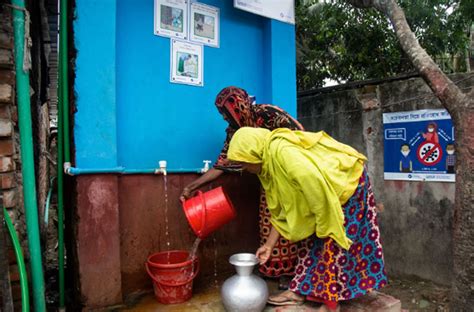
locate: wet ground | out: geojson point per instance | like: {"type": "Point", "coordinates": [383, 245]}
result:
{"type": "Point", "coordinates": [419, 295]}
{"type": "Point", "coordinates": [414, 294]}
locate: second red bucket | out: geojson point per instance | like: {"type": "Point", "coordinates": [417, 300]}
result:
{"type": "Point", "coordinates": [208, 211]}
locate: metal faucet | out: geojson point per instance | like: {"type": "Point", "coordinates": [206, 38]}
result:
{"type": "Point", "coordinates": [206, 166]}
{"type": "Point", "coordinates": [162, 169]}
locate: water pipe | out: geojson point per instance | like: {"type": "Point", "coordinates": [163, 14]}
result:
{"type": "Point", "coordinates": [20, 261]}
{"type": "Point", "coordinates": [26, 150]}
{"type": "Point", "coordinates": [48, 202]}
{"type": "Point", "coordinates": [122, 170]}
{"type": "Point", "coordinates": [63, 138]}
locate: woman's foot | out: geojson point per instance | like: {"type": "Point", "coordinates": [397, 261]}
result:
{"type": "Point", "coordinates": [325, 308]}
{"type": "Point", "coordinates": [286, 298]}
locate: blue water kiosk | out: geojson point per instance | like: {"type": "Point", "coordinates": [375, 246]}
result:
{"type": "Point", "coordinates": [146, 76]}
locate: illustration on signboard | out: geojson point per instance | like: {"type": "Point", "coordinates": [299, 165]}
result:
{"type": "Point", "coordinates": [419, 146]}
{"type": "Point", "coordinates": [450, 158]}
{"type": "Point", "coordinates": [406, 165]}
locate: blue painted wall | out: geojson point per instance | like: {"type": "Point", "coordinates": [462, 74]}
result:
{"type": "Point", "coordinates": [129, 114]}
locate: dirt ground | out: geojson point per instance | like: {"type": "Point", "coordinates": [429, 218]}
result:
{"type": "Point", "coordinates": [419, 295]}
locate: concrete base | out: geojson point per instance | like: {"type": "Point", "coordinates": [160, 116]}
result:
{"type": "Point", "coordinates": [209, 300]}
{"type": "Point", "coordinates": [375, 301]}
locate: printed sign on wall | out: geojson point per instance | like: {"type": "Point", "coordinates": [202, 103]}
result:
{"type": "Point", "coordinates": [281, 10]}
{"type": "Point", "coordinates": [186, 63]}
{"type": "Point", "coordinates": [204, 24]}
{"type": "Point", "coordinates": [171, 18]}
{"type": "Point", "coordinates": [419, 146]}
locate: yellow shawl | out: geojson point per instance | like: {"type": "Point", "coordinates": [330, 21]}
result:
{"type": "Point", "coordinates": [307, 178]}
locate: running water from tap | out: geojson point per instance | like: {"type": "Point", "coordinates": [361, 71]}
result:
{"type": "Point", "coordinates": [216, 283]}
{"type": "Point", "coordinates": [167, 232]}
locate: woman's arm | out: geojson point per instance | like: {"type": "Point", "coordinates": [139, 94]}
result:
{"type": "Point", "coordinates": [207, 177]}
{"type": "Point", "coordinates": [265, 251]}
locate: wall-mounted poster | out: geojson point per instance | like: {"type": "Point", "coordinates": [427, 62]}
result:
{"type": "Point", "coordinates": [204, 26]}
{"type": "Point", "coordinates": [419, 146]}
{"type": "Point", "coordinates": [187, 63]}
{"type": "Point", "coordinates": [171, 18]}
{"type": "Point", "coordinates": [282, 10]}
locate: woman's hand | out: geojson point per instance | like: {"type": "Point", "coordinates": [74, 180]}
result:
{"type": "Point", "coordinates": [190, 189]}
{"type": "Point", "coordinates": [185, 194]}
{"type": "Point", "coordinates": [263, 253]}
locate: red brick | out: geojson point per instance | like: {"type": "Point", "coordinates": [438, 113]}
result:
{"type": "Point", "coordinates": [7, 180]}
{"type": "Point", "coordinates": [6, 147]}
{"type": "Point", "coordinates": [11, 256]}
{"type": "Point", "coordinates": [6, 164]}
{"type": "Point", "coordinates": [6, 93]}
{"type": "Point", "coordinates": [14, 273]}
{"type": "Point", "coordinates": [10, 198]}
{"type": "Point", "coordinates": [16, 291]}
{"type": "Point", "coordinates": [6, 40]}
{"type": "Point", "coordinates": [5, 111]}
{"type": "Point", "coordinates": [6, 127]}
{"type": "Point", "coordinates": [6, 57]}
{"type": "Point", "coordinates": [7, 76]}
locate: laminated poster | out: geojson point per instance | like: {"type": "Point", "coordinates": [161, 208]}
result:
{"type": "Point", "coordinates": [419, 146]}
{"type": "Point", "coordinates": [205, 23]}
{"type": "Point", "coordinates": [186, 63]}
{"type": "Point", "coordinates": [171, 18]}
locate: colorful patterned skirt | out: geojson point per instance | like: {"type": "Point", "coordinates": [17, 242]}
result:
{"type": "Point", "coordinates": [327, 273]}
{"type": "Point", "coordinates": [284, 255]}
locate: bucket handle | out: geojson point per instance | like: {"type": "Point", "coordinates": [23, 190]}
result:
{"type": "Point", "coordinates": [203, 216]}
{"type": "Point", "coordinates": [174, 284]}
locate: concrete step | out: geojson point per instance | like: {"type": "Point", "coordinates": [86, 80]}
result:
{"type": "Point", "coordinates": [373, 302]}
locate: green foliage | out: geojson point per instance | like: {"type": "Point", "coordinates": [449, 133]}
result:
{"type": "Point", "coordinates": [339, 42]}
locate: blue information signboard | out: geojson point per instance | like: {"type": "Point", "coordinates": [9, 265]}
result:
{"type": "Point", "coordinates": [419, 146]}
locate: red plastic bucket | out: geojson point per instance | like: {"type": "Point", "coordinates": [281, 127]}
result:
{"type": "Point", "coordinates": [208, 211]}
{"type": "Point", "coordinates": [172, 273]}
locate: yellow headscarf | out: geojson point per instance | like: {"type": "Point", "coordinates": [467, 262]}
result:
{"type": "Point", "coordinates": [307, 178]}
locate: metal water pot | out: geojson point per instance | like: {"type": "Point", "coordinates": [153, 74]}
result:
{"type": "Point", "coordinates": [244, 291]}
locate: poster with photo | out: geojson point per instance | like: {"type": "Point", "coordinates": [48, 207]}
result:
{"type": "Point", "coordinates": [187, 63]}
{"type": "Point", "coordinates": [171, 18]}
{"type": "Point", "coordinates": [419, 146]}
{"type": "Point", "coordinates": [204, 26]}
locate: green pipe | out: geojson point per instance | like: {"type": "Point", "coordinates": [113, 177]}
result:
{"type": "Point", "coordinates": [60, 179]}
{"type": "Point", "coordinates": [62, 141]}
{"type": "Point", "coordinates": [63, 41]}
{"type": "Point", "coordinates": [20, 261]}
{"type": "Point", "coordinates": [27, 157]}
{"type": "Point", "coordinates": [48, 202]}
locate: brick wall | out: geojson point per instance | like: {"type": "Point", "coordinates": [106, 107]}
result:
{"type": "Point", "coordinates": [10, 176]}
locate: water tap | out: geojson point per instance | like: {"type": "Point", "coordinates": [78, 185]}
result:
{"type": "Point", "coordinates": [206, 166]}
{"type": "Point", "coordinates": [162, 169]}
